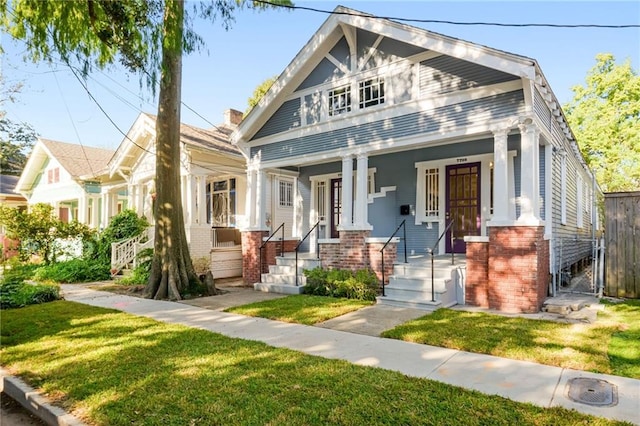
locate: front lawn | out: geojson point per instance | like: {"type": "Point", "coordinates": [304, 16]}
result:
{"type": "Point", "coordinates": [113, 368]}
{"type": "Point", "coordinates": [301, 309]}
{"type": "Point", "coordinates": [611, 345]}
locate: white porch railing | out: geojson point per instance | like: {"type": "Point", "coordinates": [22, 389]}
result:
{"type": "Point", "coordinates": [126, 251]}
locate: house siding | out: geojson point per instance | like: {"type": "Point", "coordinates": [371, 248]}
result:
{"type": "Point", "coordinates": [398, 169]}
{"type": "Point", "coordinates": [445, 74]}
{"type": "Point", "coordinates": [440, 119]}
{"type": "Point", "coordinates": [541, 110]}
{"type": "Point", "coordinates": [287, 117]}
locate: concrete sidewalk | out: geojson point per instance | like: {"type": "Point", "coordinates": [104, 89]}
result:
{"type": "Point", "coordinates": [517, 380]}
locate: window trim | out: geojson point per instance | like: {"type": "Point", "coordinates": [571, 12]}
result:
{"type": "Point", "coordinates": [563, 189]}
{"type": "Point", "coordinates": [579, 202]}
{"type": "Point", "coordinates": [377, 83]}
{"type": "Point", "coordinates": [289, 193]}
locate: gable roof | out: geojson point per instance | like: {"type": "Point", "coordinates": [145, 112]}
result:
{"type": "Point", "coordinates": [81, 162]}
{"type": "Point", "coordinates": [132, 147]}
{"type": "Point", "coordinates": [78, 160]}
{"type": "Point", "coordinates": [339, 24]}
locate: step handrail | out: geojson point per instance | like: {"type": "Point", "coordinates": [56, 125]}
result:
{"type": "Point", "coordinates": [300, 243]}
{"type": "Point", "coordinates": [281, 227]}
{"type": "Point", "coordinates": [432, 249]}
{"type": "Point", "coordinates": [404, 238]}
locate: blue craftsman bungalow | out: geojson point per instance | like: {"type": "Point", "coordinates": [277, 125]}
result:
{"type": "Point", "coordinates": [429, 130]}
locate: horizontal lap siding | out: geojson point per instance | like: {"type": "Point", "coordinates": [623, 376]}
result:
{"type": "Point", "coordinates": [445, 74]}
{"type": "Point", "coordinates": [541, 110]}
{"type": "Point", "coordinates": [448, 117]}
{"type": "Point", "coordinates": [287, 117]}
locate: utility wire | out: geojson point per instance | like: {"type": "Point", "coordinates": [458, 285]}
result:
{"type": "Point", "coordinates": [437, 21]}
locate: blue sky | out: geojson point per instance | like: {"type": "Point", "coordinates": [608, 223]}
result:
{"type": "Point", "coordinates": [261, 44]}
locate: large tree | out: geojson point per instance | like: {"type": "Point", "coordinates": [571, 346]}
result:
{"type": "Point", "coordinates": [605, 118]}
{"type": "Point", "coordinates": [16, 138]}
{"type": "Point", "coordinates": [149, 37]}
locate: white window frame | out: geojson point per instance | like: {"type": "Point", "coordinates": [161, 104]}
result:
{"type": "Point", "coordinates": [345, 94]}
{"type": "Point", "coordinates": [579, 202]}
{"type": "Point", "coordinates": [371, 85]}
{"type": "Point", "coordinates": [285, 194]}
{"type": "Point", "coordinates": [563, 189]}
{"type": "Point", "coordinates": [231, 216]}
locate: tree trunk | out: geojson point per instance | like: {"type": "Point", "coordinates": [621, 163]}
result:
{"type": "Point", "coordinates": [172, 271]}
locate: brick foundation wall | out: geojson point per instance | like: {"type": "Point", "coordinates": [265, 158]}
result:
{"type": "Point", "coordinates": [375, 259]}
{"type": "Point", "coordinates": [518, 273]}
{"type": "Point", "coordinates": [477, 279]}
{"type": "Point", "coordinates": [251, 242]}
{"type": "Point", "coordinates": [353, 250]}
{"type": "Point", "coordinates": [330, 255]}
{"type": "Point", "coordinates": [273, 249]}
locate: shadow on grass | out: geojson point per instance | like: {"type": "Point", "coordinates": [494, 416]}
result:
{"type": "Point", "coordinates": [114, 368]}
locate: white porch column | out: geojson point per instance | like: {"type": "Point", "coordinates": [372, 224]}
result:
{"type": "Point", "coordinates": [362, 180]}
{"type": "Point", "coordinates": [82, 209]}
{"type": "Point", "coordinates": [261, 199]}
{"type": "Point", "coordinates": [95, 219]}
{"type": "Point", "coordinates": [500, 176]}
{"type": "Point", "coordinates": [131, 195]}
{"type": "Point", "coordinates": [139, 199]}
{"type": "Point", "coordinates": [106, 209]}
{"type": "Point", "coordinates": [250, 208]}
{"type": "Point", "coordinates": [296, 229]}
{"type": "Point", "coordinates": [190, 217]}
{"type": "Point", "coordinates": [530, 174]}
{"type": "Point", "coordinates": [346, 219]}
{"type": "Point", "coordinates": [202, 200]}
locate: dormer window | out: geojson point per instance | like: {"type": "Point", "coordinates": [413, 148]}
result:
{"type": "Point", "coordinates": [339, 100]}
{"type": "Point", "coordinates": [371, 92]}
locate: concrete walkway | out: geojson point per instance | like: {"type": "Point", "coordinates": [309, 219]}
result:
{"type": "Point", "coordinates": [517, 380]}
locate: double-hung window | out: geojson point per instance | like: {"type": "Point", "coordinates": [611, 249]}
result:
{"type": "Point", "coordinates": [371, 92]}
{"type": "Point", "coordinates": [339, 100]}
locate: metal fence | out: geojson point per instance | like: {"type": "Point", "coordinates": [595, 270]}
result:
{"type": "Point", "coordinates": [579, 266]}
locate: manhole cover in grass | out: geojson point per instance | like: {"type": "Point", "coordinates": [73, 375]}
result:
{"type": "Point", "coordinates": [592, 391]}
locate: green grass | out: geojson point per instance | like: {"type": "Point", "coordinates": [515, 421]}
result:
{"type": "Point", "coordinates": [112, 368]}
{"type": "Point", "coordinates": [301, 309]}
{"type": "Point", "coordinates": [611, 345]}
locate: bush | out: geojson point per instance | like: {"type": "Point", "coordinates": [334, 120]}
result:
{"type": "Point", "coordinates": [15, 293]}
{"type": "Point", "coordinates": [141, 272]}
{"type": "Point", "coordinates": [73, 271]}
{"type": "Point", "coordinates": [126, 224]}
{"type": "Point", "coordinates": [363, 285]}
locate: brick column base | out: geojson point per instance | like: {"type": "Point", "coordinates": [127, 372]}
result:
{"type": "Point", "coordinates": [518, 268]}
{"type": "Point", "coordinates": [353, 250]}
{"type": "Point", "coordinates": [251, 242]}
{"type": "Point", "coordinates": [477, 279]}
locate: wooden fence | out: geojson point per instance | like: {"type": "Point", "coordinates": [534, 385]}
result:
{"type": "Point", "coordinates": [622, 242]}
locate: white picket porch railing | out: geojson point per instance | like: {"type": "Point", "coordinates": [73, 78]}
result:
{"type": "Point", "coordinates": [125, 252]}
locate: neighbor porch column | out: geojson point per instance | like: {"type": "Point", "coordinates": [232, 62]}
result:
{"type": "Point", "coordinates": [82, 209]}
{"type": "Point", "coordinates": [106, 209]}
{"type": "Point", "coordinates": [346, 219]}
{"type": "Point", "coordinates": [95, 218]}
{"type": "Point", "coordinates": [362, 180]}
{"type": "Point", "coordinates": [191, 207]}
{"type": "Point", "coordinates": [530, 174]}
{"type": "Point", "coordinates": [500, 176]}
{"type": "Point", "coordinates": [202, 200]}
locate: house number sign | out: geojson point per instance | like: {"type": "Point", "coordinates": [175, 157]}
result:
{"type": "Point", "coordinates": [461, 160]}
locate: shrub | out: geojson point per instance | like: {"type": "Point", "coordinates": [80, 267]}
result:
{"type": "Point", "coordinates": [15, 293]}
{"type": "Point", "coordinates": [363, 285]}
{"type": "Point", "coordinates": [126, 224]}
{"type": "Point", "coordinates": [73, 271]}
{"type": "Point", "coordinates": [141, 272]}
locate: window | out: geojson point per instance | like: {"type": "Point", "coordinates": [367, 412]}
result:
{"type": "Point", "coordinates": [339, 100]}
{"type": "Point", "coordinates": [285, 193]}
{"type": "Point", "coordinates": [371, 92]}
{"type": "Point", "coordinates": [563, 189]}
{"type": "Point", "coordinates": [321, 204]}
{"type": "Point", "coordinates": [431, 186]}
{"type": "Point", "coordinates": [221, 202]}
{"type": "Point", "coordinates": [53, 175]}
{"type": "Point", "coordinates": [579, 204]}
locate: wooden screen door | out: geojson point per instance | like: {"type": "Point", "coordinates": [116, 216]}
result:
{"type": "Point", "coordinates": [462, 204]}
{"type": "Point", "coordinates": [336, 206]}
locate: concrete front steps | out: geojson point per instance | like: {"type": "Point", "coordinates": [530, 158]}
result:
{"type": "Point", "coordinates": [281, 277]}
{"type": "Point", "coordinates": [410, 284]}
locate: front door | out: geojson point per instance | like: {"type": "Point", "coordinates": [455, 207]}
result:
{"type": "Point", "coordinates": [336, 206]}
{"type": "Point", "coordinates": [463, 204]}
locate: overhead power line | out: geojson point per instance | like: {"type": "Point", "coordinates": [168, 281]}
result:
{"type": "Point", "coordinates": [438, 21]}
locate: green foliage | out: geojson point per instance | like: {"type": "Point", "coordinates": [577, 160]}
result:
{"type": "Point", "coordinates": [141, 272]}
{"type": "Point", "coordinates": [604, 115]}
{"type": "Point", "coordinates": [38, 230]}
{"type": "Point", "coordinates": [361, 285]}
{"type": "Point", "coordinates": [15, 293]}
{"type": "Point", "coordinates": [259, 92]}
{"type": "Point", "coordinates": [126, 224]}
{"type": "Point", "coordinates": [73, 271]}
